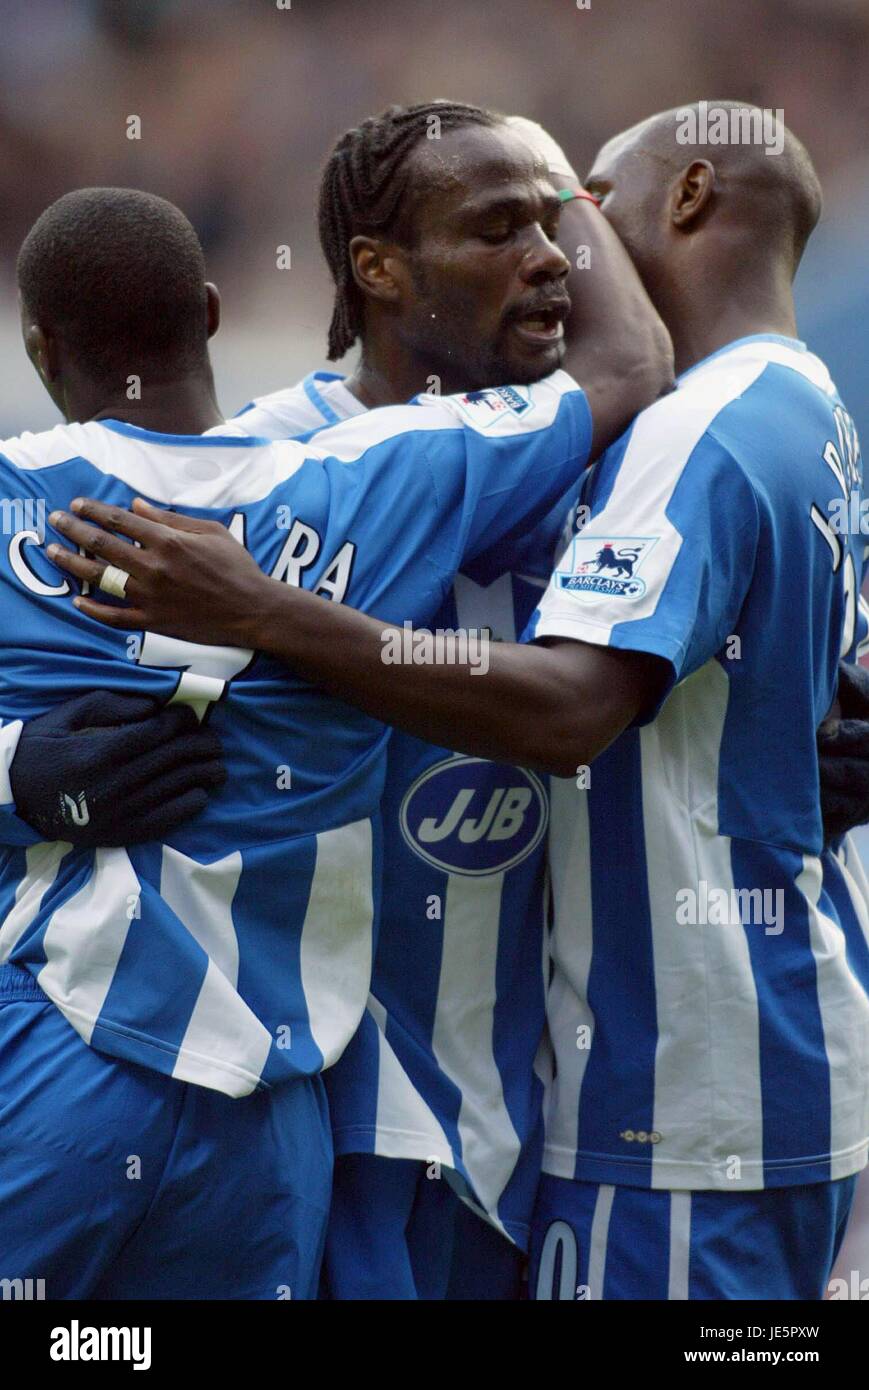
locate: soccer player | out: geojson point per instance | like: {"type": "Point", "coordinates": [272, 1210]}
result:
{"type": "Point", "coordinates": [186, 1151]}
{"type": "Point", "coordinates": [421, 236]}
{"type": "Point", "coordinates": [708, 1113]}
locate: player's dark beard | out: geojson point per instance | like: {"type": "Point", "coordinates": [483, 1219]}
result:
{"type": "Point", "coordinates": [441, 342]}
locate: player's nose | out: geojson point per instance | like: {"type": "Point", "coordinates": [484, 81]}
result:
{"type": "Point", "coordinates": [543, 258]}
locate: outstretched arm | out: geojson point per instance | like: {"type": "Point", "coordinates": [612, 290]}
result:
{"type": "Point", "coordinates": [553, 708]}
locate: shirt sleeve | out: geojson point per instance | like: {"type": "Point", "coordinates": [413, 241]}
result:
{"type": "Point", "coordinates": [284, 415]}
{"type": "Point", "coordinates": [455, 476]}
{"type": "Point", "coordinates": [665, 560]}
{"type": "Point", "coordinates": [531, 556]}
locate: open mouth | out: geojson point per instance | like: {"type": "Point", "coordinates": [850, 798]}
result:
{"type": "Point", "coordinates": [542, 325]}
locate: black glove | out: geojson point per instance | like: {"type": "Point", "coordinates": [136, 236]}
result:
{"type": "Point", "coordinates": [105, 769]}
{"type": "Point", "coordinates": [843, 753]}
{"type": "Point", "coordinates": [853, 692]}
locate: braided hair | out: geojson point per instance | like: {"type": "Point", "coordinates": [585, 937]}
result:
{"type": "Point", "coordinates": [362, 189]}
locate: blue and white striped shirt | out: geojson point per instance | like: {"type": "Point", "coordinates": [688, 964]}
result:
{"type": "Point", "coordinates": [239, 953]}
{"type": "Point", "coordinates": [709, 1007]}
{"type": "Point", "coordinates": [443, 1065]}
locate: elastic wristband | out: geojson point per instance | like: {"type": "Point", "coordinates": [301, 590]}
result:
{"type": "Point", "coordinates": [568, 195]}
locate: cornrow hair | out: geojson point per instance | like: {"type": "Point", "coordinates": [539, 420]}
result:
{"type": "Point", "coordinates": [362, 189]}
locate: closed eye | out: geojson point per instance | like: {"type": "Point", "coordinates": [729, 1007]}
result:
{"type": "Point", "coordinates": [497, 237]}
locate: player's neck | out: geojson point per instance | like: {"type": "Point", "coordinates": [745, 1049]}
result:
{"type": "Point", "coordinates": [390, 373]}
{"type": "Point", "coordinates": [374, 387]}
{"type": "Point", "coordinates": [392, 381]}
{"type": "Point", "coordinates": [177, 407]}
{"type": "Point", "coordinates": [702, 325]}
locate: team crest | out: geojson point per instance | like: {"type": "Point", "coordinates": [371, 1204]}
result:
{"type": "Point", "coordinates": [485, 407]}
{"type": "Point", "coordinates": [606, 566]}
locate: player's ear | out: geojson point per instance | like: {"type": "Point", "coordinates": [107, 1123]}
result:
{"type": "Point", "coordinates": [377, 268]}
{"type": "Point", "coordinates": [692, 192]}
{"type": "Point", "coordinates": [212, 310]}
{"type": "Point", "coordinates": [42, 351]}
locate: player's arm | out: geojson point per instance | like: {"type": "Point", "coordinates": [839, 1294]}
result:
{"type": "Point", "coordinates": [552, 707]}
{"type": "Point", "coordinates": [413, 492]}
{"type": "Point", "coordinates": [617, 345]}
{"type": "Point", "coordinates": [548, 707]}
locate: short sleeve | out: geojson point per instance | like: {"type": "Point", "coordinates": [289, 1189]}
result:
{"type": "Point", "coordinates": [665, 560]}
{"type": "Point", "coordinates": [445, 479]}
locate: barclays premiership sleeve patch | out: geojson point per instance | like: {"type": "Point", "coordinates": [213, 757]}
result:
{"type": "Point", "coordinates": [605, 567]}
{"type": "Point", "coordinates": [485, 408]}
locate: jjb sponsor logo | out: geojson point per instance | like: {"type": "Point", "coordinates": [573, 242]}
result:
{"type": "Point", "coordinates": [606, 566]}
{"type": "Point", "coordinates": [483, 408]}
{"type": "Point", "coordinates": [469, 816]}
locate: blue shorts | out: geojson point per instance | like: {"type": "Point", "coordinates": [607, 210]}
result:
{"type": "Point", "coordinates": [395, 1233]}
{"type": "Point", "coordinates": [118, 1182]}
{"type": "Point", "coordinates": [594, 1241]}
{"type": "Point", "coordinates": [486, 1266]}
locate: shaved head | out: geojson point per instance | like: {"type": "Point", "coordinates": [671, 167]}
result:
{"type": "Point", "coordinates": [715, 202]}
{"type": "Point", "coordinates": [764, 180]}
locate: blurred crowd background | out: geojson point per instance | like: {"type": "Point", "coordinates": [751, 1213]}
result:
{"type": "Point", "coordinates": [240, 101]}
